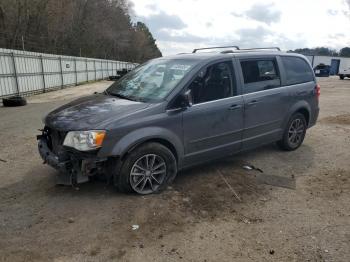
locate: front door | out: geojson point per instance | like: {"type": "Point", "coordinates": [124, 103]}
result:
{"type": "Point", "coordinates": [213, 124]}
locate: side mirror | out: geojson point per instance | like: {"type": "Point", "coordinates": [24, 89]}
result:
{"type": "Point", "coordinates": [181, 103]}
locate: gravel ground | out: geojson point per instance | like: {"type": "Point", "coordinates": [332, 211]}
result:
{"type": "Point", "coordinates": [198, 218]}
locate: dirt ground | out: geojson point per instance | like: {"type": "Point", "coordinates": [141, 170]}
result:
{"type": "Point", "coordinates": [198, 218]}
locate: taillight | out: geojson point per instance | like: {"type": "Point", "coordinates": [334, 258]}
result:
{"type": "Point", "coordinates": [317, 90]}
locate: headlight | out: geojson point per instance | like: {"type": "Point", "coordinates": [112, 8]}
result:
{"type": "Point", "coordinates": [84, 140]}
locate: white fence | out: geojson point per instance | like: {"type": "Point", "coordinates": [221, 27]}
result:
{"type": "Point", "coordinates": [25, 73]}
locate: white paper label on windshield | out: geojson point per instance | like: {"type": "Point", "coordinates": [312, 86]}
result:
{"type": "Point", "coordinates": [180, 67]}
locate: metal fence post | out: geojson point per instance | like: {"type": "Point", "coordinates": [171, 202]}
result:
{"type": "Point", "coordinates": [60, 60]}
{"type": "Point", "coordinates": [101, 68]}
{"type": "Point", "coordinates": [107, 70]}
{"type": "Point", "coordinates": [15, 72]}
{"type": "Point", "coordinates": [87, 72]}
{"type": "Point", "coordinates": [95, 69]}
{"type": "Point", "coordinates": [43, 73]}
{"type": "Point", "coordinates": [75, 71]}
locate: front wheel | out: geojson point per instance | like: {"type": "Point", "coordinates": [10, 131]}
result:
{"type": "Point", "coordinates": [147, 169]}
{"type": "Point", "coordinates": [294, 133]}
{"type": "Point", "coordinates": [341, 77]}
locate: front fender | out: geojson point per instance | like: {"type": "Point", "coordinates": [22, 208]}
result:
{"type": "Point", "coordinates": [139, 136]}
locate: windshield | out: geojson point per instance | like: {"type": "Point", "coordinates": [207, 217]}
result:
{"type": "Point", "coordinates": [151, 81]}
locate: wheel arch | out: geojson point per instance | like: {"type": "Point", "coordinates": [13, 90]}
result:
{"type": "Point", "coordinates": [305, 113]}
{"type": "Point", "coordinates": [161, 141]}
{"type": "Point", "coordinates": [145, 135]}
{"type": "Point", "coordinates": [301, 107]}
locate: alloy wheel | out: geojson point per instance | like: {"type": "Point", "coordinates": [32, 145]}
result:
{"type": "Point", "coordinates": [296, 132]}
{"type": "Point", "coordinates": [148, 173]}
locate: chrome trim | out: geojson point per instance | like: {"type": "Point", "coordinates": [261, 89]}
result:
{"type": "Point", "coordinates": [215, 136]}
{"type": "Point", "coordinates": [280, 87]}
{"type": "Point", "coordinates": [212, 101]}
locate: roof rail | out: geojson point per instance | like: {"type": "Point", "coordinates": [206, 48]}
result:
{"type": "Point", "coordinates": [260, 48]}
{"type": "Point", "coordinates": [215, 47]}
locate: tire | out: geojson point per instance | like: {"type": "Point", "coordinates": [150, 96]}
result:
{"type": "Point", "coordinates": [294, 133]}
{"type": "Point", "coordinates": [135, 177]}
{"type": "Point", "coordinates": [341, 77]}
{"type": "Point", "coordinates": [14, 101]}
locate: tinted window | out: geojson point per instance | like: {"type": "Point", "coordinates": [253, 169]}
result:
{"type": "Point", "coordinates": [261, 70]}
{"type": "Point", "coordinates": [260, 75]}
{"type": "Point", "coordinates": [297, 70]}
{"type": "Point", "coordinates": [213, 83]}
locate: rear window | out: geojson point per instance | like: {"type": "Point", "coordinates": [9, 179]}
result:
{"type": "Point", "coordinates": [297, 70]}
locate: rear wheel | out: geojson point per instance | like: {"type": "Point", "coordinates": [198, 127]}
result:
{"type": "Point", "coordinates": [147, 169]}
{"type": "Point", "coordinates": [294, 133]}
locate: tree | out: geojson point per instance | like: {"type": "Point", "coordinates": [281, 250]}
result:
{"type": "Point", "coordinates": [91, 28]}
{"type": "Point", "coordinates": [322, 51]}
{"type": "Point", "coordinates": [345, 52]}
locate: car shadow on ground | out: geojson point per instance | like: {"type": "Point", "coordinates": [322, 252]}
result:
{"type": "Point", "coordinates": [269, 159]}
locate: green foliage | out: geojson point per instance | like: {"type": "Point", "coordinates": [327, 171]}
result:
{"type": "Point", "coordinates": [322, 51]}
{"type": "Point", "coordinates": [90, 28]}
{"type": "Point", "coordinates": [345, 52]}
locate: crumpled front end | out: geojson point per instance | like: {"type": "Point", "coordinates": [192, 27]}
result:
{"type": "Point", "coordinates": [74, 167]}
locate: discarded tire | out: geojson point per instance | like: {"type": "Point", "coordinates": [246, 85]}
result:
{"type": "Point", "coordinates": [114, 78]}
{"type": "Point", "coordinates": [14, 101]}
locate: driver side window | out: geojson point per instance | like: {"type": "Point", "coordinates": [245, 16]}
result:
{"type": "Point", "coordinates": [213, 83]}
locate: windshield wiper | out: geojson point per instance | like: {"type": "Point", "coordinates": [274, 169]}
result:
{"type": "Point", "coordinates": [122, 96]}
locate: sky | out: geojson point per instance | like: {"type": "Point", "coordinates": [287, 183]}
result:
{"type": "Point", "coordinates": [182, 25]}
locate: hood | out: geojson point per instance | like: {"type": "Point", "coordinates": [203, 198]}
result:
{"type": "Point", "coordinates": [91, 112]}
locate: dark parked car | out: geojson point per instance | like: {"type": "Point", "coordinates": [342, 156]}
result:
{"type": "Point", "coordinates": [322, 70]}
{"type": "Point", "coordinates": [175, 112]}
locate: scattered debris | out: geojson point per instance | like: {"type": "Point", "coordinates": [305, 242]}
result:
{"type": "Point", "coordinates": [186, 199]}
{"type": "Point", "coordinates": [2, 160]}
{"type": "Point", "coordinates": [245, 221]}
{"type": "Point", "coordinates": [70, 220]}
{"type": "Point", "coordinates": [272, 251]}
{"type": "Point", "coordinates": [278, 181]}
{"type": "Point", "coordinates": [135, 227]}
{"type": "Point", "coordinates": [229, 186]}
{"type": "Point", "coordinates": [251, 167]}
{"type": "Point", "coordinates": [272, 180]}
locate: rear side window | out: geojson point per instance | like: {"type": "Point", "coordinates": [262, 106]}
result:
{"type": "Point", "coordinates": [297, 70]}
{"type": "Point", "coordinates": [261, 74]}
{"type": "Point", "coordinates": [261, 70]}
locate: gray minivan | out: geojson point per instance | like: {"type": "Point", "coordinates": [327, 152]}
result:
{"type": "Point", "coordinates": [175, 112]}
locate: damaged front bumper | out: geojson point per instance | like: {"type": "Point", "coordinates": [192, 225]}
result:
{"type": "Point", "coordinates": [74, 167]}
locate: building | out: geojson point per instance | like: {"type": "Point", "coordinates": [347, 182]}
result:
{"type": "Point", "coordinates": [335, 62]}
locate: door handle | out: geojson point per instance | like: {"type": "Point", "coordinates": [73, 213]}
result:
{"type": "Point", "coordinates": [253, 102]}
{"type": "Point", "coordinates": [234, 107]}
